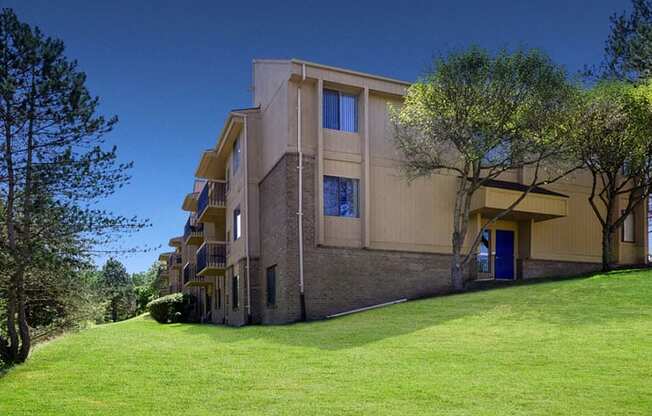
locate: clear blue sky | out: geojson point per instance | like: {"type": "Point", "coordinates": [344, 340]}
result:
{"type": "Point", "coordinates": [171, 70]}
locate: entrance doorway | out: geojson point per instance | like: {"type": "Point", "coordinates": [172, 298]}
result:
{"type": "Point", "coordinates": [504, 261]}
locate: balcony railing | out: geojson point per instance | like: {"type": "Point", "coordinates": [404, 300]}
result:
{"type": "Point", "coordinates": [189, 273]}
{"type": "Point", "coordinates": [174, 261]}
{"type": "Point", "coordinates": [211, 258]}
{"type": "Point", "coordinates": [193, 231]}
{"type": "Point", "coordinates": [213, 195]}
{"type": "Point", "coordinates": [190, 276]}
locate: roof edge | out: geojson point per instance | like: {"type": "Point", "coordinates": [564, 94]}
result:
{"type": "Point", "coordinates": [350, 71]}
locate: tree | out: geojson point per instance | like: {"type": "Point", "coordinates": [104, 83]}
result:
{"type": "Point", "coordinates": [146, 286]}
{"type": "Point", "coordinates": [628, 50]}
{"type": "Point", "coordinates": [119, 290]}
{"type": "Point", "coordinates": [479, 116]}
{"type": "Point", "coordinates": [53, 169]}
{"type": "Point", "coordinates": [613, 138]}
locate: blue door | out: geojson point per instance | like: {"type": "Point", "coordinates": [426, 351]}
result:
{"type": "Point", "coordinates": [504, 254]}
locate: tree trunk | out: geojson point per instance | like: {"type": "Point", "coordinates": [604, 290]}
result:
{"type": "Point", "coordinates": [23, 327]}
{"type": "Point", "coordinates": [12, 348]}
{"type": "Point", "coordinates": [457, 275]}
{"type": "Point", "coordinates": [460, 227]}
{"type": "Point", "coordinates": [114, 310]}
{"type": "Point", "coordinates": [606, 248]}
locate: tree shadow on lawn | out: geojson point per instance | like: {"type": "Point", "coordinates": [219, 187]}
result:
{"type": "Point", "coordinates": [564, 303]}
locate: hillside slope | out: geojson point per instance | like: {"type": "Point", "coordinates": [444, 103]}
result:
{"type": "Point", "coordinates": [580, 347]}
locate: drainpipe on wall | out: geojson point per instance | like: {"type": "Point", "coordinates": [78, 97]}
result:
{"type": "Point", "coordinates": [300, 202]}
{"type": "Point", "coordinates": [246, 214]}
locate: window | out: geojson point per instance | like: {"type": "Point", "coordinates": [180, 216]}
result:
{"type": "Point", "coordinates": [628, 229]}
{"type": "Point", "coordinates": [271, 286]}
{"type": "Point", "coordinates": [235, 288]}
{"type": "Point", "coordinates": [500, 154]}
{"type": "Point", "coordinates": [235, 156]}
{"type": "Point", "coordinates": [483, 255]}
{"type": "Point", "coordinates": [341, 197]}
{"type": "Point", "coordinates": [627, 168]}
{"type": "Point", "coordinates": [340, 111]}
{"type": "Point", "coordinates": [219, 298]}
{"type": "Point", "coordinates": [237, 230]}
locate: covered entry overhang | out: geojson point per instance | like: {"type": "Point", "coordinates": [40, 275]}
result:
{"type": "Point", "coordinates": [539, 205]}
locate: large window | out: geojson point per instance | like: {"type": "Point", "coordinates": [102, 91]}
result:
{"type": "Point", "coordinates": [235, 291]}
{"type": "Point", "coordinates": [271, 286]}
{"type": "Point", "coordinates": [340, 111]}
{"type": "Point", "coordinates": [484, 263]}
{"type": "Point", "coordinates": [341, 197]}
{"type": "Point", "coordinates": [235, 156]}
{"type": "Point", "coordinates": [628, 229]}
{"type": "Point", "coordinates": [237, 224]}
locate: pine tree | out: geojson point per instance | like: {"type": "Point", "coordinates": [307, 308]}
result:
{"type": "Point", "coordinates": [53, 169]}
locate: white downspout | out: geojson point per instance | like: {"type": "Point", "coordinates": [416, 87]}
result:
{"type": "Point", "coordinates": [246, 213]}
{"type": "Point", "coordinates": [300, 202]}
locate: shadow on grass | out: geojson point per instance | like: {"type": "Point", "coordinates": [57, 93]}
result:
{"type": "Point", "coordinates": [564, 302]}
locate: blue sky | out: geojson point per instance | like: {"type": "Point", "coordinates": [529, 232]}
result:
{"type": "Point", "coordinates": [171, 70]}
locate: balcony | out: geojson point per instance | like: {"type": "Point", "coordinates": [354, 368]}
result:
{"type": "Point", "coordinates": [191, 278]}
{"type": "Point", "coordinates": [193, 232]}
{"type": "Point", "coordinates": [162, 273]}
{"type": "Point", "coordinates": [211, 259]}
{"type": "Point", "coordinates": [174, 261]}
{"type": "Point", "coordinates": [176, 242]}
{"type": "Point", "coordinates": [211, 203]}
{"type": "Point", "coordinates": [190, 202]}
{"type": "Point", "coordinates": [539, 205]}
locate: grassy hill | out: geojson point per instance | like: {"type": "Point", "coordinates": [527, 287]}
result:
{"type": "Point", "coordinates": [574, 347]}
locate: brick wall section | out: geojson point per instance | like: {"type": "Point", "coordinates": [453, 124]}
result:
{"type": "Point", "coordinates": [551, 268]}
{"type": "Point", "coordinates": [278, 224]}
{"type": "Point", "coordinates": [238, 316]}
{"type": "Point", "coordinates": [342, 279]}
{"type": "Point", "coordinates": [336, 279]}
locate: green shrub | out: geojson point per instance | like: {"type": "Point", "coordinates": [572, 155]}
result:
{"type": "Point", "coordinates": [171, 308]}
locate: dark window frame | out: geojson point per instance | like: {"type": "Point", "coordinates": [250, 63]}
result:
{"type": "Point", "coordinates": [338, 103]}
{"type": "Point", "coordinates": [237, 232]}
{"type": "Point", "coordinates": [355, 187]}
{"type": "Point", "coordinates": [270, 275]}
{"type": "Point", "coordinates": [235, 292]}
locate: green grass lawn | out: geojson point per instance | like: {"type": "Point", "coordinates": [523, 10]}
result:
{"type": "Point", "coordinates": [573, 347]}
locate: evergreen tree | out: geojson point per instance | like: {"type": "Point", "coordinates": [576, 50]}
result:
{"type": "Point", "coordinates": [147, 286]}
{"type": "Point", "coordinates": [53, 169]}
{"type": "Point", "coordinates": [119, 290]}
{"type": "Point", "coordinates": [628, 50]}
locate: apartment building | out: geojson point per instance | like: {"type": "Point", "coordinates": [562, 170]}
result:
{"type": "Point", "coordinates": [300, 212]}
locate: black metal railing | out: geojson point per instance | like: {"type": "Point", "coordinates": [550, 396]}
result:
{"type": "Point", "coordinates": [213, 194]}
{"type": "Point", "coordinates": [189, 272]}
{"type": "Point", "coordinates": [174, 259]}
{"type": "Point", "coordinates": [192, 227]}
{"type": "Point", "coordinates": [211, 255]}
